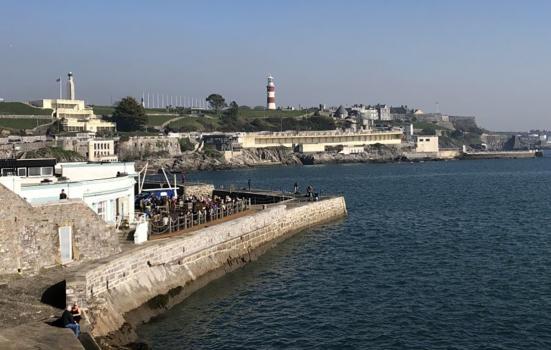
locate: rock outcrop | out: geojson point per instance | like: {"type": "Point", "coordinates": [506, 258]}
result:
{"type": "Point", "coordinates": [212, 160]}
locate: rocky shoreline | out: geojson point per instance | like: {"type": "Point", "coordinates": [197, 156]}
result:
{"type": "Point", "coordinates": [198, 161]}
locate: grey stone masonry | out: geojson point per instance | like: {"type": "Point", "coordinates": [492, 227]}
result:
{"type": "Point", "coordinates": [29, 238]}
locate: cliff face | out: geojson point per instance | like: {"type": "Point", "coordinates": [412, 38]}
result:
{"type": "Point", "coordinates": [136, 148]}
{"type": "Point", "coordinates": [372, 154]}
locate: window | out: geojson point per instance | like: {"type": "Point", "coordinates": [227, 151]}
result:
{"type": "Point", "coordinates": [102, 209]}
{"type": "Point", "coordinates": [22, 172]}
{"type": "Point", "coordinates": [47, 171]}
{"type": "Point", "coordinates": [7, 172]}
{"type": "Point", "coordinates": [34, 171]}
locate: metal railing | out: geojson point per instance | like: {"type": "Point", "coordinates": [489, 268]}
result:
{"type": "Point", "coordinates": [173, 222]}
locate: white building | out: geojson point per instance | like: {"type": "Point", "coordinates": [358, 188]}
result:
{"type": "Point", "coordinates": [107, 188]}
{"type": "Point", "coordinates": [74, 115]}
{"type": "Point", "coordinates": [426, 144]}
{"type": "Point", "coordinates": [371, 113]}
{"type": "Point", "coordinates": [384, 112]}
{"type": "Point", "coordinates": [102, 151]}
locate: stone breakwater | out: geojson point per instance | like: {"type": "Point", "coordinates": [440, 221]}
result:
{"type": "Point", "coordinates": [125, 290]}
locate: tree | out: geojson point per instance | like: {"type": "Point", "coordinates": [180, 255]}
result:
{"type": "Point", "coordinates": [216, 102]}
{"type": "Point", "coordinates": [233, 111]}
{"type": "Point", "coordinates": [129, 115]}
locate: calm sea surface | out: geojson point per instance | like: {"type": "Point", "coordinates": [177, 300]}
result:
{"type": "Point", "coordinates": [436, 255]}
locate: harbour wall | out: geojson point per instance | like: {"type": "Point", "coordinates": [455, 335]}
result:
{"type": "Point", "coordinates": [132, 287]}
{"type": "Point", "coordinates": [500, 154]}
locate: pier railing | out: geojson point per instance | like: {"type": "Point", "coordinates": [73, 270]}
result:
{"type": "Point", "coordinates": [173, 222]}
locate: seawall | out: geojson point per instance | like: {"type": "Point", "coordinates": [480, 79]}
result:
{"type": "Point", "coordinates": [501, 154]}
{"type": "Point", "coordinates": [134, 286]}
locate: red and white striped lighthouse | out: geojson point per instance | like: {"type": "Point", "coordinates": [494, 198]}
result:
{"type": "Point", "coordinates": [270, 89]}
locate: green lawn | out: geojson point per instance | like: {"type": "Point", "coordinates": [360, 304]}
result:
{"type": "Point", "coordinates": [195, 124]}
{"type": "Point", "coordinates": [252, 114]}
{"type": "Point", "coordinates": [19, 108]}
{"type": "Point", "coordinates": [103, 110]}
{"type": "Point", "coordinates": [22, 123]}
{"type": "Point", "coordinates": [158, 120]}
{"type": "Point", "coordinates": [108, 110]}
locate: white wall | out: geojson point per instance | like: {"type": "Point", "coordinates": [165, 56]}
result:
{"type": "Point", "coordinates": [86, 171]}
{"type": "Point", "coordinates": [426, 144]}
{"type": "Point", "coordinates": [92, 192]}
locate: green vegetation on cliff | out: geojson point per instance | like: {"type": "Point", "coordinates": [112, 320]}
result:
{"type": "Point", "coordinates": [59, 154]}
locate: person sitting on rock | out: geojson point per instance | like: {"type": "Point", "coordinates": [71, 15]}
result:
{"type": "Point", "coordinates": [77, 314]}
{"type": "Point", "coordinates": [69, 321]}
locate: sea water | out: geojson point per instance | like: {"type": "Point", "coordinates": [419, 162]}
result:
{"type": "Point", "coordinates": [434, 255]}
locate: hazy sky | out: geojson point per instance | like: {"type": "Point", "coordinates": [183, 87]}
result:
{"type": "Point", "coordinates": [491, 59]}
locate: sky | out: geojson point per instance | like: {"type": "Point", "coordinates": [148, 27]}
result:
{"type": "Point", "coordinates": [490, 59]}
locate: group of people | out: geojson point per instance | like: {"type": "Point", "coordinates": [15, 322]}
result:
{"type": "Point", "coordinates": [163, 210]}
{"type": "Point", "coordinates": [310, 192]}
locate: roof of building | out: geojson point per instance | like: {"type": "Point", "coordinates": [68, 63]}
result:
{"type": "Point", "coordinates": [341, 111]}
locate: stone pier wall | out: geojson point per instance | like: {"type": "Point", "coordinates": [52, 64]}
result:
{"type": "Point", "coordinates": [112, 288]}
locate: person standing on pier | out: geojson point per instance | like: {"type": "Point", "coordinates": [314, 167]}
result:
{"type": "Point", "coordinates": [62, 195]}
{"type": "Point", "coordinates": [249, 184]}
{"type": "Point", "coordinates": [310, 192]}
{"type": "Point", "coordinates": [295, 188]}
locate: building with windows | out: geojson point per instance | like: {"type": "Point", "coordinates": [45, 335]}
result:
{"type": "Point", "coordinates": [24, 168]}
{"type": "Point", "coordinates": [107, 188]}
{"type": "Point", "coordinates": [74, 115]}
{"type": "Point", "coordinates": [101, 151]}
{"type": "Point", "coordinates": [316, 141]}
{"type": "Point", "coordinates": [384, 112]}
{"type": "Point", "coordinates": [426, 144]}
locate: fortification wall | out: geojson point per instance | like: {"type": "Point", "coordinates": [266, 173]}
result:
{"type": "Point", "coordinates": [142, 147]}
{"type": "Point", "coordinates": [162, 273]}
{"type": "Point", "coordinates": [29, 234]}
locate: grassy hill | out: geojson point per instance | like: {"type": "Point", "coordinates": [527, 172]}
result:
{"type": "Point", "coordinates": [241, 123]}
{"type": "Point", "coordinates": [19, 108]}
{"type": "Point", "coordinates": [253, 113]}
{"type": "Point", "coordinates": [22, 123]}
{"type": "Point", "coordinates": [108, 110]}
